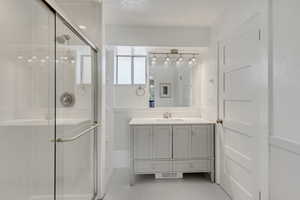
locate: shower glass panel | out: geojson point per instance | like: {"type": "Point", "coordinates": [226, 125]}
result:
{"type": "Point", "coordinates": [27, 100]}
{"type": "Point", "coordinates": [75, 171]}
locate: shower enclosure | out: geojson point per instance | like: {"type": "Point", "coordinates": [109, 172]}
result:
{"type": "Point", "coordinates": [48, 105]}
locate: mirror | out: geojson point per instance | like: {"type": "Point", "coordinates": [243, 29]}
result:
{"type": "Point", "coordinates": [170, 79]}
{"type": "Point", "coordinates": [155, 77]}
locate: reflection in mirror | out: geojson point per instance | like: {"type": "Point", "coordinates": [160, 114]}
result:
{"type": "Point", "coordinates": [170, 78]}
{"type": "Point", "coordinates": [143, 77]}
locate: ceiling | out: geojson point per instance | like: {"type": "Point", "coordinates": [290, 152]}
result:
{"type": "Point", "coordinates": [188, 13]}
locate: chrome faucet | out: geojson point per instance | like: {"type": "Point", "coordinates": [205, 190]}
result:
{"type": "Point", "coordinates": [167, 115]}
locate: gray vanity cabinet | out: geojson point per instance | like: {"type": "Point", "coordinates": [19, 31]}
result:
{"type": "Point", "coordinates": [142, 142]}
{"type": "Point", "coordinates": [162, 142]}
{"type": "Point", "coordinates": [201, 142]}
{"type": "Point", "coordinates": [181, 142]}
{"type": "Point", "coordinates": [171, 149]}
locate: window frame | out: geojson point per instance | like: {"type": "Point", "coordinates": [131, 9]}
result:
{"type": "Point", "coordinates": [116, 82]}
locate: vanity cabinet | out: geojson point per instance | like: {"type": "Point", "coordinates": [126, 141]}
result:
{"type": "Point", "coordinates": [162, 142]}
{"type": "Point", "coordinates": [142, 142]}
{"type": "Point", "coordinates": [171, 149]}
{"type": "Point", "coordinates": [181, 142]}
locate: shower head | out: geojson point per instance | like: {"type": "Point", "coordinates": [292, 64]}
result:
{"type": "Point", "coordinates": [63, 38]}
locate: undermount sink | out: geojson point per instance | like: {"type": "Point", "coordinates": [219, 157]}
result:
{"type": "Point", "coordinates": [170, 119]}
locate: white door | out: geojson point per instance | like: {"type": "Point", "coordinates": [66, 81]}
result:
{"type": "Point", "coordinates": [142, 136]}
{"type": "Point", "coordinates": [181, 142]}
{"type": "Point", "coordinates": [162, 142]}
{"type": "Point", "coordinates": [239, 109]}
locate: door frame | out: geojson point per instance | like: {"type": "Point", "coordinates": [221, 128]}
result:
{"type": "Point", "coordinates": [263, 159]}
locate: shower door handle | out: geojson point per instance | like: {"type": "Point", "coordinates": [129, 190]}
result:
{"type": "Point", "coordinates": [82, 133]}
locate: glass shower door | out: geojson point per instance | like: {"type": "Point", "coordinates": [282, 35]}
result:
{"type": "Point", "coordinates": [75, 116]}
{"type": "Point", "coordinates": [27, 100]}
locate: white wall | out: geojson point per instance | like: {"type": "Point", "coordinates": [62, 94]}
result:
{"type": "Point", "coordinates": [125, 97]}
{"type": "Point", "coordinates": [285, 138]}
{"type": "Point", "coordinates": [157, 36]}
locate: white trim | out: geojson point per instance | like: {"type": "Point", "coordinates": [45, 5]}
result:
{"type": "Point", "coordinates": [285, 144]}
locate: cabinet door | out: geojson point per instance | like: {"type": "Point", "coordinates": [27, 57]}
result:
{"type": "Point", "coordinates": [142, 138]}
{"type": "Point", "coordinates": [162, 142]}
{"type": "Point", "coordinates": [181, 142]}
{"type": "Point", "coordinates": [200, 142]}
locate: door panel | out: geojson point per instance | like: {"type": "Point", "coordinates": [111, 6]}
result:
{"type": "Point", "coordinates": [181, 142]}
{"type": "Point", "coordinates": [241, 57]}
{"type": "Point", "coordinates": [200, 142]}
{"type": "Point", "coordinates": [162, 142]}
{"type": "Point", "coordinates": [142, 136]}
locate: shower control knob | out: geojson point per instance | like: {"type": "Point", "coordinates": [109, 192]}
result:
{"type": "Point", "coordinates": [67, 99]}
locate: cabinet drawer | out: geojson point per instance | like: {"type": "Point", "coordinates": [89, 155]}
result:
{"type": "Point", "coordinates": [192, 166]}
{"type": "Point", "coordinates": [152, 166]}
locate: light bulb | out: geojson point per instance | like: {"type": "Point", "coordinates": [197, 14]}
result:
{"type": "Point", "coordinates": [154, 58]}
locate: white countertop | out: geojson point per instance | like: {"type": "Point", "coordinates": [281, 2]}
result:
{"type": "Point", "coordinates": [162, 121]}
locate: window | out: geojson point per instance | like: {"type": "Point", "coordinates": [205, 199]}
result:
{"type": "Point", "coordinates": [124, 70]}
{"type": "Point", "coordinates": [130, 70]}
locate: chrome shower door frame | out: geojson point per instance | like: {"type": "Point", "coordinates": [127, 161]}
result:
{"type": "Point", "coordinates": [59, 14]}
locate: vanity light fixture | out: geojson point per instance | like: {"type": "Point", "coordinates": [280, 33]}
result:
{"type": "Point", "coordinates": [20, 57]}
{"type": "Point", "coordinates": [180, 59]}
{"type": "Point", "coordinates": [194, 58]}
{"type": "Point", "coordinates": [168, 58]}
